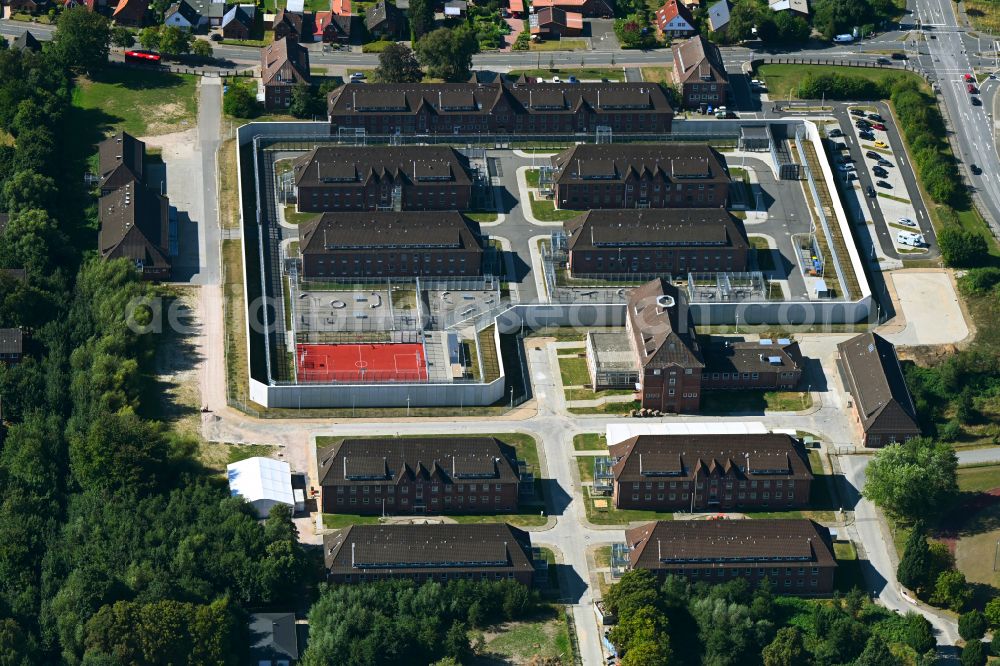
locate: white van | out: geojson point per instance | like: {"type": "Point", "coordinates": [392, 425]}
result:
{"type": "Point", "coordinates": [844, 39]}
{"type": "Point", "coordinates": [910, 238]}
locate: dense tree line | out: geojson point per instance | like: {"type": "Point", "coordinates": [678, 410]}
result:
{"type": "Point", "coordinates": [402, 622]}
{"type": "Point", "coordinates": [732, 624]}
{"type": "Point", "coordinates": [114, 546]}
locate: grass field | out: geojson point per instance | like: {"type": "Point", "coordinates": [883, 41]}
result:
{"type": "Point", "coordinates": [573, 371]}
{"type": "Point", "coordinates": [735, 402]}
{"type": "Point", "coordinates": [531, 177]}
{"type": "Point", "coordinates": [334, 521]}
{"type": "Point", "coordinates": [590, 441]}
{"type": "Point", "coordinates": [585, 465]}
{"type": "Point", "coordinates": [238, 453]}
{"type": "Point", "coordinates": [142, 103]}
{"type": "Point", "coordinates": [294, 217]}
{"type": "Point", "coordinates": [848, 574]}
{"type": "Point", "coordinates": [783, 80]}
{"type": "Point", "coordinates": [582, 73]}
{"type": "Point", "coordinates": [979, 478]}
{"type": "Point", "coordinates": [984, 14]}
{"type": "Point", "coordinates": [481, 216]}
{"type": "Point", "coordinates": [229, 199]}
{"type": "Point", "coordinates": [661, 75]}
{"type": "Point", "coordinates": [607, 408]}
{"type": "Point", "coordinates": [559, 45]}
{"type": "Point", "coordinates": [519, 642]}
{"type": "Point", "coordinates": [602, 557]}
{"type": "Point", "coordinates": [545, 211]}
{"type": "Point", "coordinates": [237, 365]}
{"type": "Point", "coordinates": [589, 394]}
{"type": "Point", "coordinates": [613, 516]}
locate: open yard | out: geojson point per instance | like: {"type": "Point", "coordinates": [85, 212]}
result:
{"type": "Point", "coordinates": [142, 103]}
{"type": "Point", "coordinates": [984, 14]}
{"type": "Point", "coordinates": [590, 441]}
{"type": "Point", "coordinates": [613, 516]}
{"type": "Point", "coordinates": [559, 45]}
{"type": "Point", "coordinates": [783, 80]}
{"type": "Point", "coordinates": [848, 574]}
{"type": "Point", "coordinates": [753, 402]}
{"type": "Point", "coordinates": [545, 210]}
{"type": "Point", "coordinates": [237, 365]}
{"type": "Point", "coordinates": [978, 478]}
{"type": "Point", "coordinates": [294, 217]}
{"type": "Point", "coordinates": [661, 75]}
{"type": "Point", "coordinates": [518, 642]}
{"type": "Point", "coordinates": [573, 371]}
{"type": "Point", "coordinates": [975, 552]}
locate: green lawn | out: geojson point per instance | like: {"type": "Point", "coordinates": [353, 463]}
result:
{"type": "Point", "coordinates": [613, 516]}
{"type": "Point", "coordinates": [602, 557]}
{"type": "Point", "coordinates": [573, 371]}
{"type": "Point", "coordinates": [531, 177]}
{"type": "Point", "coordinates": [294, 217]}
{"type": "Point", "coordinates": [481, 216]}
{"type": "Point", "coordinates": [590, 441]}
{"type": "Point", "coordinates": [524, 519]}
{"type": "Point", "coordinates": [376, 46]}
{"type": "Point", "coordinates": [607, 408]}
{"type": "Point", "coordinates": [142, 103]}
{"type": "Point", "coordinates": [238, 453]}
{"type": "Point", "coordinates": [559, 45]}
{"type": "Point", "coordinates": [582, 73]}
{"type": "Point", "coordinates": [585, 464]}
{"type": "Point", "coordinates": [334, 521]}
{"type": "Point", "coordinates": [518, 642]}
{"type": "Point", "coordinates": [661, 75]}
{"type": "Point", "coordinates": [783, 80]}
{"type": "Point", "coordinates": [589, 394]}
{"type": "Point", "coordinates": [735, 402]}
{"type": "Point", "coordinates": [848, 574]}
{"type": "Point", "coordinates": [979, 478]}
{"type": "Point", "coordinates": [545, 211]}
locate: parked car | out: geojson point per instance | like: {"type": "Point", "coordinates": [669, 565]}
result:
{"type": "Point", "coordinates": [873, 155]}
{"type": "Point", "coordinates": [879, 126]}
{"type": "Point", "coordinates": [974, 168]}
{"type": "Point", "coordinates": [880, 172]}
{"type": "Point", "coordinates": [836, 133]}
{"type": "Point", "coordinates": [573, 79]}
{"type": "Point", "coordinates": [861, 122]}
{"type": "Point", "coordinates": [883, 61]}
{"type": "Point", "coordinates": [867, 136]}
{"type": "Point", "coordinates": [883, 184]}
{"type": "Point", "coordinates": [910, 238]}
{"type": "Point", "coordinates": [968, 78]}
{"type": "Point", "coordinates": [881, 144]}
{"type": "Point", "coordinates": [845, 167]}
{"type": "Point", "coordinates": [857, 112]}
{"type": "Point", "coordinates": [882, 162]}
{"type": "Point", "coordinates": [851, 175]}
{"type": "Point", "coordinates": [906, 222]}
{"type": "Point", "coordinates": [871, 191]}
{"type": "Point", "coordinates": [876, 117]}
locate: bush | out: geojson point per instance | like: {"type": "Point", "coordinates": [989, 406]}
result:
{"type": "Point", "coordinates": [239, 102]}
{"type": "Point", "coordinates": [979, 281]}
{"type": "Point", "coordinates": [992, 613]}
{"type": "Point", "coordinates": [961, 248]}
{"type": "Point", "coordinates": [951, 431]}
{"type": "Point", "coordinates": [972, 625]}
{"type": "Point", "coordinates": [952, 591]}
{"type": "Point", "coordinates": [974, 654]}
{"type": "Point", "coordinates": [522, 42]}
{"type": "Point", "coordinates": [843, 86]}
{"type": "Point", "coordinates": [633, 32]}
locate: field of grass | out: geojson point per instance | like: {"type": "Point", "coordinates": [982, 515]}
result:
{"type": "Point", "coordinates": [613, 516]}
{"type": "Point", "coordinates": [559, 45]}
{"type": "Point", "coordinates": [531, 177]}
{"type": "Point", "coordinates": [242, 452]}
{"type": "Point", "coordinates": [573, 371]}
{"type": "Point", "coordinates": [142, 103]}
{"type": "Point", "coordinates": [735, 402]}
{"type": "Point", "coordinates": [848, 575]}
{"type": "Point", "coordinates": [334, 521]}
{"type": "Point", "coordinates": [523, 519]}
{"type": "Point", "coordinates": [607, 408]}
{"type": "Point", "coordinates": [237, 364]}
{"type": "Point", "coordinates": [585, 465]}
{"type": "Point", "coordinates": [229, 198]}
{"type": "Point", "coordinates": [519, 642]}
{"type": "Point", "coordinates": [545, 211]}
{"type": "Point", "coordinates": [602, 557]}
{"type": "Point", "coordinates": [294, 217]}
{"type": "Point", "coordinates": [984, 14]}
{"type": "Point", "coordinates": [481, 216]}
{"type": "Point", "coordinates": [588, 394]}
{"type": "Point", "coordinates": [588, 73]}
{"type": "Point", "coordinates": [661, 75]}
{"type": "Point", "coordinates": [590, 441]}
{"type": "Point", "coordinates": [979, 478]}
{"type": "Point", "coordinates": [783, 80]}
{"type": "Point", "coordinates": [376, 46]}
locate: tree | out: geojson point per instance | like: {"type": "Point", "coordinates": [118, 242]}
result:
{"type": "Point", "coordinates": [149, 37]}
{"type": "Point", "coordinates": [305, 103]}
{"type": "Point", "coordinates": [239, 102]}
{"type": "Point", "coordinates": [456, 642]}
{"type": "Point", "coordinates": [919, 633]}
{"type": "Point", "coordinates": [913, 479]}
{"type": "Point", "coordinates": [961, 248]}
{"type": "Point", "coordinates": [421, 15]}
{"type": "Point", "coordinates": [952, 591]}
{"type": "Point", "coordinates": [992, 612]}
{"type": "Point", "coordinates": [995, 644]}
{"type": "Point", "coordinates": [81, 39]}
{"type": "Point", "coordinates": [174, 41]}
{"type": "Point", "coordinates": [914, 567]}
{"type": "Point", "coordinates": [973, 654]}
{"type": "Point", "coordinates": [122, 37]}
{"type": "Point", "coordinates": [28, 190]}
{"type": "Point", "coordinates": [647, 653]}
{"type": "Point", "coordinates": [447, 54]}
{"type": "Point", "coordinates": [787, 648]}
{"type": "Point", "coordinates": [121, 452]}
{"type": "Point", "coordinates": [635, 589]}
{"type": "Point", "coordinates": [972, 625]}
{"type": "Point", "coordinates": [398, 64]}
{"type": "Point", "coordinates": [791, 29]}
{"type": "Point", "coordinates": [202, 48]}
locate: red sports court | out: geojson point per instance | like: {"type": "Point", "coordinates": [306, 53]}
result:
{"type": "Point", "coordinates": [381, 362]}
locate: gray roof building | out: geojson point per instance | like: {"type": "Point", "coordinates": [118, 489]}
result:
{"type": "Point", "coordinates": [656, 227]}
{"type": "Point", "coordinates": [616, 163]}
{"type": "Point", "coordinates": [348, 164]}
{"type": "Point", "coordinates": [134, 226]}
{"type": "Point", "coordinates": [375, 230]}
{"type": "Point", "coordinates": [273, 638]}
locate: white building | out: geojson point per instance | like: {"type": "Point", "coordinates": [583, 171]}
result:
{"type": "Point", "coordinates": [262, 482]}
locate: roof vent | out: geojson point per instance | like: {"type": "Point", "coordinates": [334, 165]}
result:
{"type": "Point", "coordinates": [665, 301]}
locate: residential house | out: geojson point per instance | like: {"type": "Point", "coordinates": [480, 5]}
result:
{"type": "Point", "coordinates": [131, 13]}
{"type": "Point", "coordinates": [283, 65]}
{"type": "Point", "coordinates": [798, 8]}
{"type": "Point", "coordinates": [700, 74]}
{"type": "Point", "coordinates": [11, 346]}
{"type": "Point", "coordinates": [589, 8]}
{"type": "Point", "coordinates": [182, 15]}
{"type": "Point", "coordinates": [382, 178]}
{"type": "Point", "coordinates": [516, 8]}
{"type": "Point", "coordinates": [385, 21]}
{"type": "Point", "coordinates": [517, 107]}
{"type": "Point", "coordinates": [294, 25]}
{"type": "Point", "coordinates": [32, 7]}
{"type": "Point", "coordinates": [210, 11]}
{"type": "Point", "coordinates": [120, 161]}
{"type": "Point", "coordinates": [389, 244]}
{"type": "Point", "coordinates": [478, 551]}
{"type": "Point", "coordinates": [589, 176]}
{"type": "Point", "coordinates": [135, 226]}
{"type": "Point", "coordinates": [334, 28]}
{"type": "Point", "coordinates": [274, 639]}
{"type": "Point", "coordinates": [555, 22]}
{"type": "Point", "coordinates": [795, 555]}
{"type": "Point", "coordinates": [699, 473]}
{"type": "Point", "coordinates": [674, 19]}
{"type": "Point", "coordinates": [455, 8]}
{"type": "Point", "coordinates": [237, 22]}
{"type": "Point", "coordinates": [664, 241]}
{"type": "Point", "coordinates": [665, 344]}
{"type": "Point", "coordinates": [883, 408]}
{"type": "Point", "coordinates": [718, 16]}
{"type": "Point", "coordinates": [26, 41]}
{"type": "Point", "coordinates": [407, 475]}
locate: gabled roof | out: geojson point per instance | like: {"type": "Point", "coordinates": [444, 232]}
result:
{"type": "Point", "coordinates": [189, 13]}
{"type": "Point", "coordinates": [120, 160]}
{"type": "Point", "coordinates": [134, 225]}
{"type": "Point", "coordinates": [663, 333]}
{"type": "Point", "coordinates": [664, 457]}
{"type": "Point", "coordinates": [260, 478]}
{"type": "Point", "coordinates": [284, 62]}
{"type": "Point", "coordinates": [765, 355]}
{"type": "Point", "coordinates": [340, 7]}
{"type": "Point", "coordinates": [656, 227]}
{"type": "Point", "coordinates": [295, 22]}
{"type": "Point", "coordinates": [876, 381]}
{"type": "Point", "coordinates": [340, 24]}
{"type": "Point", "coordinates": [131, 10]}
{"type": "Point", "coordinates": [380, 13]}
{"type": "Point", "coordinates": [454, 459]}
{"type": "Point", "coordinates": [347, 165]}
{"type": "Point", "coordinates": [557, 17]}
{"type": "Point", "coordinates": [371, 230]}
{"type": "Point", "coordinates": [718, 15]}
{"type": "Point", "coordinates": [11, 341]}
{"type": "Point", "coordinates": [699, 60]}
{"type": "Point", "coordinates": [26, 41]}
{"type": "Point", "coordinates": [671, 10]}
{"type": "Point", "coordinates": [239, 14]}
{"type": "Point", "coordinates": [274, 637]}
{"type": "Point", "coordinates": [708, 543]}
{"type": "Point", "coordinates": [616, 163]}
{"type": "Point", "coordinates": [799, 6]}
{"type": "Point", "coordinates": [405, 549]}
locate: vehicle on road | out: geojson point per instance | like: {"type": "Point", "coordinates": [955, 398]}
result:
{"type": "Point", "coordinates": [857, 112]}
{"type": "Point", "coordinates": [898, 56]}
{"type": "Point", "coordinates": [844, 39]}
{"type": "Point", "coordinates": [910, 238]}
{"type": "Point", "coordinates": [556, 79]}
{"type": "Point", "coordinates": [881, 144]}
{"type": "Point", "coordinates": [357, 76]}
{"type": "Point", "coordinates": [906, 222]}
{"type": "Point", "coordinates": [968, 78]}
{"type": "Point", "coordinates": [143, 56]}
{"type": "Point", "coordinates": [883, 184]}
{"type": "Point", "coordinates": [972, 89]}
{"type": "Point", "coordinates": [879, 126]}
{"type": "Point", "coordinates": [873, 155]}
{"type": "Point", "coordinates": [880, 172]}
{"type": "Point", "coordinates": [573, 79]}
{"type": "Point", "coordinates": [851, 175]}
{"type": "Point", "coordinates": [976, 101]}
{"type": "Point", "coordinates": [871, 191]}
{"type": "Point", "coordinates": [883, 61]}
{"type": "Point", "coordinates": [974, 168]}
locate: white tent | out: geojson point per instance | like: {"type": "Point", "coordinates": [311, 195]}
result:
{"type": "Point", "coordinates": [262, 482]}
{"type": "Point", "coordinates": [297, 6]}
{"type": "Point", "coordinates": [618, 432]}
